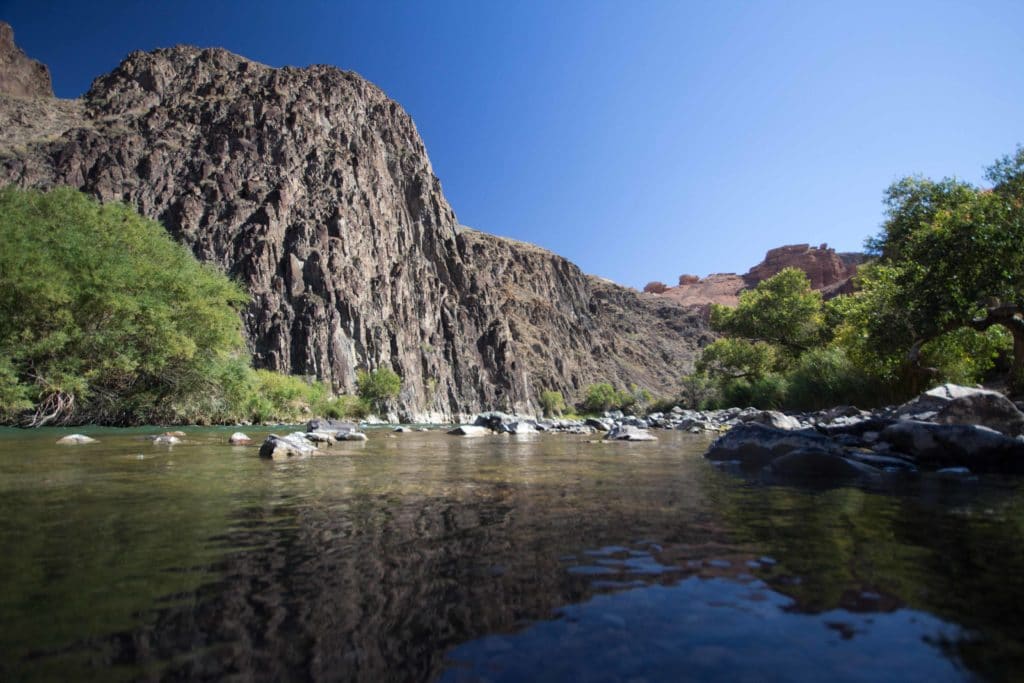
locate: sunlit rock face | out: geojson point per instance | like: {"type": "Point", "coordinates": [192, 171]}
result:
{"type": "Point", "coordinates": [312, 188]}
{"type": "Point", "coordinates": [828, 271]}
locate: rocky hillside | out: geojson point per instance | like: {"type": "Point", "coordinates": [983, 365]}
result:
{"type": "Point", "coordinates": [314, 189]}
{"type": "Point", "coordinates": [829, 272]}
{"type": "Point", "coordinates": [20, 75]}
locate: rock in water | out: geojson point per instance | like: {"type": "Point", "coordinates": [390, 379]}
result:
{"type": "Point", "coordinates": [239, 439]}
{"type": "Point", "coordinates": [325, 425]}
{"type": "Point", "coordinates": [350, 436]}
{"type": "Point", "coordinates": [940, 446]}
{"type": "Point", "coordinates": [286, 448]}
{"type": "Point", "coordinates": [629, 433]}
{"type": "Point", "coordinates": [469, 430]}
{"type": "Point", "coordinates": [76, 439]}
{"type": "Point", "coordinates": [313, 189]}
{"type": "Point", "coordinates": [755, 445]}
{"type": "Point", "coordinates": [814, 464]}
{"type": "Point", "coordinates": [166, 440]}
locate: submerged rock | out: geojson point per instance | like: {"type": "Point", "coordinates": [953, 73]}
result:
{"type": "Point", "coordinates": [166, 440]}
{"type": "Point", "coordinates": [239, 439]}
{"type": "Point", "coordinates": [76, 439]}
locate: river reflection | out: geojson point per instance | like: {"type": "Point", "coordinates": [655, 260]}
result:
{"type": "Point", "coordinates": [419, 556]}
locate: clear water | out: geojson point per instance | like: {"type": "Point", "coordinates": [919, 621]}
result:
{"type": "Point", "coordinates": [423, 556]}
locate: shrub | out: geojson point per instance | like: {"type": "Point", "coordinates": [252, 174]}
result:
{"type": "Point", "coordinates": [104, 317]}
{"type": "Point", "coordinates": [655, 287]}
{"type": "Point", "coordinates": [552, 402]}
{"type": "Point", "coordinates": [378, 387]}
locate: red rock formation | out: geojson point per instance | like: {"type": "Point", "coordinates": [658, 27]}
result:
{"type": "Point", "coordinates": [823, 265]}
{"type": "Point", "coordinates": [828, 271]}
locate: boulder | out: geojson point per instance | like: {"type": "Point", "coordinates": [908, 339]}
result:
{"type": "Point", "coordinates": [469, 430]}
{"type": "Point", "coordinates": [495, 421]}
{"type": "Point", "coordinates": [320, 437]}
{"type": "Point", "coordinates": [521, 427]}
{"type": "Point", "coordinates": [286, 447]}
{"type": "Point", "coordinates": [809, 463]}
{"type": "Point", "coordinates": [239, 439]}
{"type": "Point", "coordinates": [76, 439]}
{"type": "Point", "coordinates": [629, 433]}
{"type": "Point", "coordinates": [351, 436]}
{"type": "Point", "coordinates": [328, 425]}
{"type": "Point", "coordinates": [599, 423]}
{"type": "Point", "coordinates": [939, 446]}
{"type": "Point", "coordinates": [166, 440]}
{"type": "Point", "coordinates": [773, 418]}
{"type": "Point", "coordinates": [987, 408]}
{"type": "Point", "coordinates": [754, 445]}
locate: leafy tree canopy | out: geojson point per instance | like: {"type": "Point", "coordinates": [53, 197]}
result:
{"type": "Point", "coordinates": [102, 312]}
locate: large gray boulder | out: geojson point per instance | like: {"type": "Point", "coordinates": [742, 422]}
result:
{"type": "Point", "coordinates": [987, 408]}
{"type": "Point", "coordinates": [938, 446]}
{"type": "Point", "coordinates": [772, 418]}
{"type": "Point", "coordinates": [755, 445]}
{"type": "Point", "coordinates": [286, 447]}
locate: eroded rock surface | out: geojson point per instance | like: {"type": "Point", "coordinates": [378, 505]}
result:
{"type": "Point", "coordinates": [314, 189]}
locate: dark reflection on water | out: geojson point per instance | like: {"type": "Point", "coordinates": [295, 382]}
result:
{"type": "Point", "coordinates": [421, 556]}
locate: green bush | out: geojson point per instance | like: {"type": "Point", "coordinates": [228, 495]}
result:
{"type": "Point", "coordinates": [552, 402]}
{"type": "Point", "coordinates": [378, 387]}
{"type": "Point", "coordinates": [104, 317]}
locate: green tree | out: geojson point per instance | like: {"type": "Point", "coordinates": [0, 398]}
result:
{"type": "Point", "coordinates": [378, 387]}
{"type": "Point", "coordinates": [601, 397]}
{"type": "Point", "coordinates": [953, 259]}
{"type": "Point", "coordinates": [552, 402]}
{"type": "Point", "coordinates": [783, 311]}
{"type": "Point", "coordinates": [103, 316]}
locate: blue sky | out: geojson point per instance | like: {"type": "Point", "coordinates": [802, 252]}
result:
{"type": "Point", "coordinates": [640, 139]}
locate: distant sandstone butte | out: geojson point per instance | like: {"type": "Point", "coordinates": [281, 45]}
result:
{"type": "Point", "coordinates": [313, 189]}
{"type": "Point", "coordinates": [20, 75]}
{"type": "Point", "coordinates": [829, 272]}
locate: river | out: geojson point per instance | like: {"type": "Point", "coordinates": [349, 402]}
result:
{"type": "Point", "coordinates": [421, 556]}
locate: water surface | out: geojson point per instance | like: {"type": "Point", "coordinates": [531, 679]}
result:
{"type": "Point", "coordinates": [422, 556]}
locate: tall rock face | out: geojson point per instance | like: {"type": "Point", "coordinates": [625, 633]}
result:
{"type": "Point", "coordinates": [20, 76]}
{"type": "Point", "coordinates": [314, 190]}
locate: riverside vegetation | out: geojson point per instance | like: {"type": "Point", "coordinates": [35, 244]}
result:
{"type": "Point", "coordinates": [105, 319]}
{"type": "Point", "coordinates": [941, 301]}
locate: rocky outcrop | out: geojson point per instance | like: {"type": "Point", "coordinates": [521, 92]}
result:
{"type": "Point", "coordinates": [20, 75]}
{"type": "Point", "coordinates": [314, 190]}
{"type": "Point", "coordinates": [829, 272]}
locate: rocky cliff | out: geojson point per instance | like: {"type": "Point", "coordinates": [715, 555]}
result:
{"type": "Point", "coordinates": [20, 76]}
{"type": "Point", "coordinates": [314, 189]}
{"type": "Point", "coordinates": [829, 272]}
